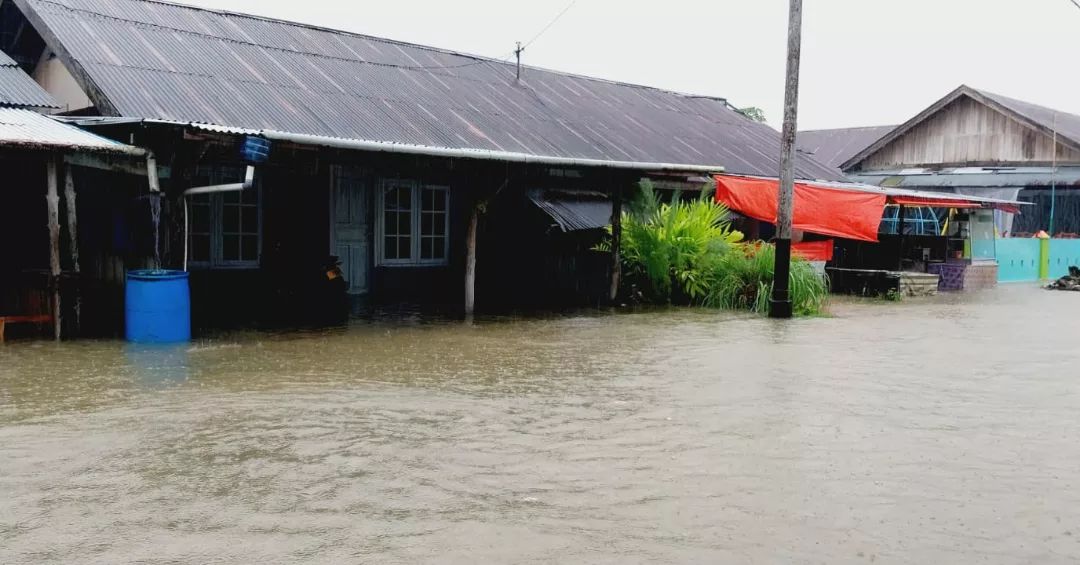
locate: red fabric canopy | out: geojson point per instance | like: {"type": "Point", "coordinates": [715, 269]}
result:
{"type": "Point", "coordinates": [814, 250]}
{"type": "Point", "coordinates": [818, 209]}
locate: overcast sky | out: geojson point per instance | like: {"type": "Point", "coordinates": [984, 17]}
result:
{"type": "Point", "coordinates": [865, 62]}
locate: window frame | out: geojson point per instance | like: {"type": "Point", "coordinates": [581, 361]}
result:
{"type": "Point", "coordinates": [217, 175]}
{"type": "Point", "coordinates": [416, 236]}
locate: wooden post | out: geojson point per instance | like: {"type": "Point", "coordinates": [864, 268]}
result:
{"type": "Point", "coordinates": [616, 242]}
{"type": "Point", "coordinates": [470, 260]}
{"type": "Point", "coordinates": [780, 302]}
{"type": "Point", "coordinates": [73, 236]}
{"type": "Point", "coordinates": [53, 201]}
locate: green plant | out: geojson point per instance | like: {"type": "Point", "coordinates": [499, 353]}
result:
{"type": "Point", "coordinates": [669, 251]}
{"type": "Point", "coordinates": [742, 280]}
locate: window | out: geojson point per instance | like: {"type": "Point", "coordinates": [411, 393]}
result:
{"type": "Point", "coordinates": [224, 228]}
{"type": "Point", "coordinates": [412, 223]}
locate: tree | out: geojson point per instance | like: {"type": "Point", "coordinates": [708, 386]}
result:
{"type": "Point", "coordinates": [754, 113]}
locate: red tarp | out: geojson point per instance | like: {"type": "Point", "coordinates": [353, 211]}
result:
{"type": "Point", "coordinates": [814, 250]}
{"type": "Point", "coordinates": [818, 209]}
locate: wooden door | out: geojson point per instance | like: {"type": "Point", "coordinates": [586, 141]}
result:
{"type": "Point", "coordinates": [350, 228]}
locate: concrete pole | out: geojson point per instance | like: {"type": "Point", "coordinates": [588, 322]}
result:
{"type": "Point", "coordinates": [780, 302]}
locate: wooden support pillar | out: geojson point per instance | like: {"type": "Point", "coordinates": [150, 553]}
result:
{"type": "Point", "coordinates": [73, 237]}
{"type": "Point", "coordinates": [52, 198]}
{"type": "Point", "coordinates": [470, 260]}
{"type": "Point", "coordinates": [616, 242]}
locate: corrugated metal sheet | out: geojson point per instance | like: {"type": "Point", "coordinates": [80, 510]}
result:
{"type": "Point", "coordinates": [1022, 177]}
{"type": "Point", "coordinates": [574, 210]}
{"type": "Point", "coordinates": [833, 147]}
{"type": "Point", "coordinates": [163, 61]}
{"type": "Point", "coordinates": [18, 89]}
{"type": "Point", "coordinates": [21, 128]}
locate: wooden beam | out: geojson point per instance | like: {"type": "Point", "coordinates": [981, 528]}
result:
{"type": "Point", "coordinates": [616, 242]}
{"type": "Point", "coordinates": [470, 260]}
{"type": "Point", "coordinates": [53, 201]}
{"type": "Point", "coordinates": [73, 235]}
{"type": "Point", "coordinates": [116, 164]}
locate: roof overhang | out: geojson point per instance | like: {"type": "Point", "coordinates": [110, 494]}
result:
{"type": "Point", "coordinates": [29, 130]}
{"type": "Point", "coordinates": [409, 149]}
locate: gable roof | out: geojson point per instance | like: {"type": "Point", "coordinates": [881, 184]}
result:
{"type": "Point", "coordinates": [18, 89]}
{"type": "Point", "coordinates": [157, 60]}
{"type": "Point", "coordinates": [835, 146]}
{"type": "Point", "coordinates": [1040, 118]}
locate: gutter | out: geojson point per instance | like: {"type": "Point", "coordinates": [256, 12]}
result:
{"type": "Point", "coordinates": [485, 154]}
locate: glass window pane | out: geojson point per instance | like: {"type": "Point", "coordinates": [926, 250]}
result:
{"type": "Point", "coordinates": [437, 198]}
{"type": "Point", "coordinates": [404, 223]}
{"type": "Point", "coordinates": [439, 221]}
{"type": "Point", "coordinates": [231, 197]}
{"type": "Point", "coordinates": [249, 196]}
{"type": "Point", "coordinates": [404, 245]}
{"type": "Point", "coordinates": [249, 248]}
{"type": "Point", "coordinates": [390, 248]}
{"type": "Point", "coordinates": [428, 200]}
{"type": "Point", "coordinates": [230, 219]}
{"type": "Point", "coordinates": [249, 219]}
{"type": "Point", "coordinates": [230, 247]}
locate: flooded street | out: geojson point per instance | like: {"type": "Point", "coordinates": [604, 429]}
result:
{"type": "Point", "coordinates": [919, 432]}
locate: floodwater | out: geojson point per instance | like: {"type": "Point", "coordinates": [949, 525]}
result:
{"type": "Point", "coordinates": [938, 431]}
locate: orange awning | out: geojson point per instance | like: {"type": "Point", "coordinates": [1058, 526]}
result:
{"type": "Point", "coordinates": [814, 250]}
{"type": "Point", "coordinates": [933, 202]}
{"type": "Point", "coordinates": [818, 209]}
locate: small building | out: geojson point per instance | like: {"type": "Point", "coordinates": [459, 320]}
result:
{"type": "Point", "coordinates": [435, 178]}
{"type": "Point", "coordinates": [972, 142]}
{"type": "Point", "coordinates": [41, 221]}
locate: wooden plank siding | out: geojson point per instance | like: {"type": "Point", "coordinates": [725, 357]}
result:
{"type": "Point", "coordinates": [967, 133]}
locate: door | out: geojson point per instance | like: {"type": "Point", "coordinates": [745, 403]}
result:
{"type": "Point", "coordinates": [349, 232]}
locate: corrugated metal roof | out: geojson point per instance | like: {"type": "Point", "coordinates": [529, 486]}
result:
{"type": "Point", "coordinates": [835, 146]}
{"type": "Point", "coordinates": [18, 89]}
{"type": "Point", "coordinates": [574, 210]}
{"type": "Point", "coordinates": [22, 128]}
{"type": "Point", "coordinates": [1020, 177]}
{"type": "Point", "coordinates": [165, 61]}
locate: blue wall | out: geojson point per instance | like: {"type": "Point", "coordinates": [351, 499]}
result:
{"type": "Point", "coordinates": [1018, 259]}
{"type": "Point", "coordinates": [1063, 253]}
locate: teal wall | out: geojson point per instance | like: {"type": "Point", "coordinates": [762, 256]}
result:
{"type": "Point", "coordinates": [1018, 259]}
{"type": "Point", "coordinates": [1063, 253]}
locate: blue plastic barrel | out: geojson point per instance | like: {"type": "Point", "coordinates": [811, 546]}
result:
{"type": "Point", "coordinates": [158, 306]}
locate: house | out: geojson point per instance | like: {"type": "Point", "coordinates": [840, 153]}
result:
{"type": "Point", "coordinates": [435, 177]}
{"type": "Point", "coordinates": [972, 142]}
{"type": "Point", "coordinates": [39, 213]}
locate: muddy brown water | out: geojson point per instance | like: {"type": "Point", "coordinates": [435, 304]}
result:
{"type": "Point", "coordinates": [940, 431]}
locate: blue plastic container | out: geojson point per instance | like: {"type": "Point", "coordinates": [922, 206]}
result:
{"type": "Point", "coordinates": [158, 307]}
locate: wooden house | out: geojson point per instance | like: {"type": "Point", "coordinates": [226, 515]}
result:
{"type": "Point", "coordinates": [437, 178]}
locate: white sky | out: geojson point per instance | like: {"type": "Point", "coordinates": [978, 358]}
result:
{"type": "Point", "coordinates": [865, 62]}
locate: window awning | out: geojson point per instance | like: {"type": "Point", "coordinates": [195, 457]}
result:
{"type": "Point", "coordinates": [818, 208]}
{"type": "Point", "coordinates": [574, 210]}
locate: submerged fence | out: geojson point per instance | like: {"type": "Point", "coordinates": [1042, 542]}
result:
{"type": "Point", "coordinates": [1029, 259]}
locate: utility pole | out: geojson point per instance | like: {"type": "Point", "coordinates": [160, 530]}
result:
{"type": "Point", "coordinates": [780, 302]}
{"type": "Point", "coordinates": [517, 53]}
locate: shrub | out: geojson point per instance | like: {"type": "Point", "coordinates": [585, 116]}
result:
{"type": "Point", "coordinates": [742, 280]}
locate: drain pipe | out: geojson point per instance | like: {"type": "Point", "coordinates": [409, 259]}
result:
{"type": "Point", "coordinates": [249, 181]}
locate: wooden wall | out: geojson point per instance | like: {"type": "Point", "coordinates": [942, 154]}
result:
{"type": "Point", "coordinates": [967, 133]}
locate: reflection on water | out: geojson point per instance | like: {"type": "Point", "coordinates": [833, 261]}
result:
{"type": "Point", "coordinates": [940, 432]}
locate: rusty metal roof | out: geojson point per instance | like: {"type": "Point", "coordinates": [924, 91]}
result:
{"type": "Point", "coordinates": [18, 89]}
{"type": "Point", "coordinates": [157, 60]}
{"type": "Point", "coordinates": [26, 129]}
{"type": "Point", "coordinates": [835, 146]}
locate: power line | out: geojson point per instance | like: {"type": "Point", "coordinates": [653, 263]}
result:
{"type": "Point", "coordinates": [567, 9]}
{"type": "Point", "coordinates": [1075, 3]}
